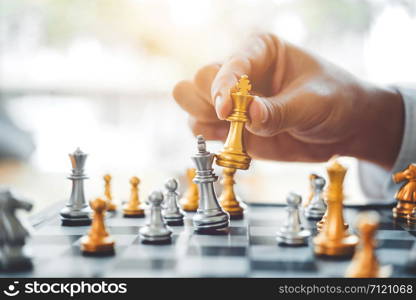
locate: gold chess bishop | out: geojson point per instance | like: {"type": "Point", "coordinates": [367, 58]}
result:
{"type": "Point", "coordinates": [234, 154]}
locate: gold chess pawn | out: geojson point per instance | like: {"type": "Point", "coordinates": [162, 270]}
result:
{"type": "Point", "coordinates": [98, 241]}
{"type": "Point", "coordinates": [111, 206]}
{"type": "Point", "coordinates": [234, 154]}
{"type": "Point", "coordinates": [364, 264]}
{"type": "Point", "coordinates": [133, 208]}
{"type": "Point", "coordinates": [228, 199]}
{"type": "Point", "coordinates": [190, 201]}
{"type": "Point", "coordinates": [334, 240]}
{"type": "Point", "coordinates": [405, 196]}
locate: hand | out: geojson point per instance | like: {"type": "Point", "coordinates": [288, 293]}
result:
{"type": "Point", "coordinates": [306, 108]}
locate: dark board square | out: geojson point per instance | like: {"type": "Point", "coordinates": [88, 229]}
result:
{"type": "Point", "coordinates": [216, 251]}
{"type": "Point", "coordinates": [149, 264]}
{"type": "Point", "coordinates": [395, 244]}
{"type": "Point", "coordinates": [283, 266]}
{"type": "Point", "coordinates": [263, 240]}
{"type": "Point", "coordinates": [234, 230]}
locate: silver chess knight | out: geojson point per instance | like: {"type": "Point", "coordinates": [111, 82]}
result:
{"type": "Point", "coordinates": [317, 208]}
{"type": "Point", "coordinates": [292, 233]}
{"type": "Point", "coordinates": [209, 218]}
{"type": "Point", "coordinates": [171, 212]}
{"type": "Point", "coordinates": [13, 234]}
{"type": "Point", "coordinates": [77, 212]}
{"type": "Point", "coordinates": [155, 231]}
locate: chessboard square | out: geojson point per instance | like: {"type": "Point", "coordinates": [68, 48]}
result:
{"type": "Point", "coordinates": [119, 230]}
{"type": "Point", "coordinates": [143, 251]}
{"type": "Point", "coordinates": [332, 267]}
{"type": "Point", "coordinates": [139, 273]}
{"type": "Point", "coordinates": [289, 266]}
{"type": "Point", "coordinates": [388, 256]}
{"type": "Point", "coordinates": [263, 240]}
{"type": "Point", "coordinates": [394, 235]}
{"type": "Point", "coordinates": [395, 244]}
{"type": "Point", "coordinates": [238, 231]}
{"type": "Point", "coordinates": [218, 240]}
{"type": "Point", "coordinates": [281, 253]}
{"type": "Point", "coordinates": [262, 231]}
{"type": "Point", "coordinates": [283, 274]}
{"type": "Point", "coordinates": [62, 240]}
{"type": "Point", "coordinates": [125, 222]}
{"type": "Point", "coordinates": [216, 251]}
{"type": "Point", "coordinates": [213, 267]}
{"type": "Point", "coordinates": [61, 230]}
{"type": "Point", "coordinates": [146, 263]}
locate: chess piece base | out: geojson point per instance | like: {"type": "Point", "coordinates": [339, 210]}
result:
{"type": "Point", "coordinates": [213, 231]}
{"type": "Point", "coordinates": [148, 235]}
{"type": "Point", "coordinates": [136, 213]}
{"type": "Point", "coordinates": [238, 216]}
{"type": "Point", "coordinates": [298, 239]}
{"type": "Point", "coordinates": [342, 248]}
{"type": "Point", "coordinates": [401, 213]}
{"type": "Point", "coordinates": [174, 222]}
{"type": "Point", "coordinates": [206, 220]}
{"type": "Point", "coordinates": [76, 221]}
{"type": "Point", "coordinates": [104, 247]}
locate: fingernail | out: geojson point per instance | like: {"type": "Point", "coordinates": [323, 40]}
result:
{"type": "Point", "coordinates": [218, 104]}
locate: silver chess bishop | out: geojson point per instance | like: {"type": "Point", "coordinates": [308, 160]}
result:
{"type": "Point", "coordinates": [155, 231]}
{"type": "Point", "coordinates": [209, 218]}
{"type": "Point", "coordinates": [317, 208]}
{"type": "Point", "coordinates": [171, 212]}
{"type": "Point", "coordinates": [13, 233]}
{"type": "Point", "coordinates": [77, 212]}
{"type": "Point", "coordinates": [293, 233]}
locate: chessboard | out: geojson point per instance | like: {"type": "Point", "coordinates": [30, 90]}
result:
{"type": "Point", "coordinates": [248, 250]}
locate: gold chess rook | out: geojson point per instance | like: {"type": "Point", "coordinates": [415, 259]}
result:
{"type": "Point", "coordinates": [234, 154]}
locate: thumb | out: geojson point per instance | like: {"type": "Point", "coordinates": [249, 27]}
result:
{"type": "Point", "coordinates": [272, 115]}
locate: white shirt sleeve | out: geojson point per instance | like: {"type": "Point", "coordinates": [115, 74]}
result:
{"type": "Point", "coordinates": [376, 182]}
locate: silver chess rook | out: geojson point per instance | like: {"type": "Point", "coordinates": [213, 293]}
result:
{"type": "Point", "coordinates": [77, 212]}
{"type": "Point", "coordinates": [209, 218]}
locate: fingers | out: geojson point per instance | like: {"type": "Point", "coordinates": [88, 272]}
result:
{"type": "Point", "coordinates": [254, 60]}
{"type": "Point", "coordinates": [194, 96]}
{"type": "Point", "coordinates": [210, 131]}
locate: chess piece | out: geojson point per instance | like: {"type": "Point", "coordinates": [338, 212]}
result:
{"type": "Point", "coordinates": [76, 212]}
{"type": "Point", "coordinates": [98, 241]}
{"type": "Point", "coordinates": [333, 239]}
{"type": "Point", "coordinates": [190, 201]}
{"type": "Point", "coordinates": [317, 207]}
{"type": "Point", "coordinates": [228, 199]}
{"type": "Point", "coordinates": [172, 214]}
{"type": "Point", "coordinates": [292, 232]}
{"type": "Point", "coordinates": [411, 218]}
{"type": "Point", "coordinates": [311, 189]}
{"type": "Point", "coordinates": [133, 208]}
{"type": "Point", "coordinates": [406, 201]}
{"type": "Point", "coordinates": [13, 234]}
{"type": "Point", "coordinates": [111, 206]}
{"type": "Point", "coordinates": [364, 264]}
{"type": "Point", "coordinates": [209, 218]}
{"type": "Point", "coordinates": [155, 231]}
{"type": "Point", "coordinates": [234, 154]}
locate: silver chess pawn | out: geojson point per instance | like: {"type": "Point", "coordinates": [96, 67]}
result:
{"type": "Point", "coordinates": [209, 218]}
{"type": "Point", "coordinates": [171, 212]}
{"type": "Point", "coordinates": [77, 212]}
{"type": "Point", "coordinates": [155, 231]}
{"type": "Point", "coordinates": [292, 233]}
{"type": "Point", "coordinates": [13, 234]}
{"type": "Point", "coordinates": [317, 208]}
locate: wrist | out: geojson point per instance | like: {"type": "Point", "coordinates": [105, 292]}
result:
{"type": "Point", "coordinates": [380, 126]}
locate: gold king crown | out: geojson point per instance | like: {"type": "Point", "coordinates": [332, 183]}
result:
{"type": "Point", "coordinates": [234, 154]}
